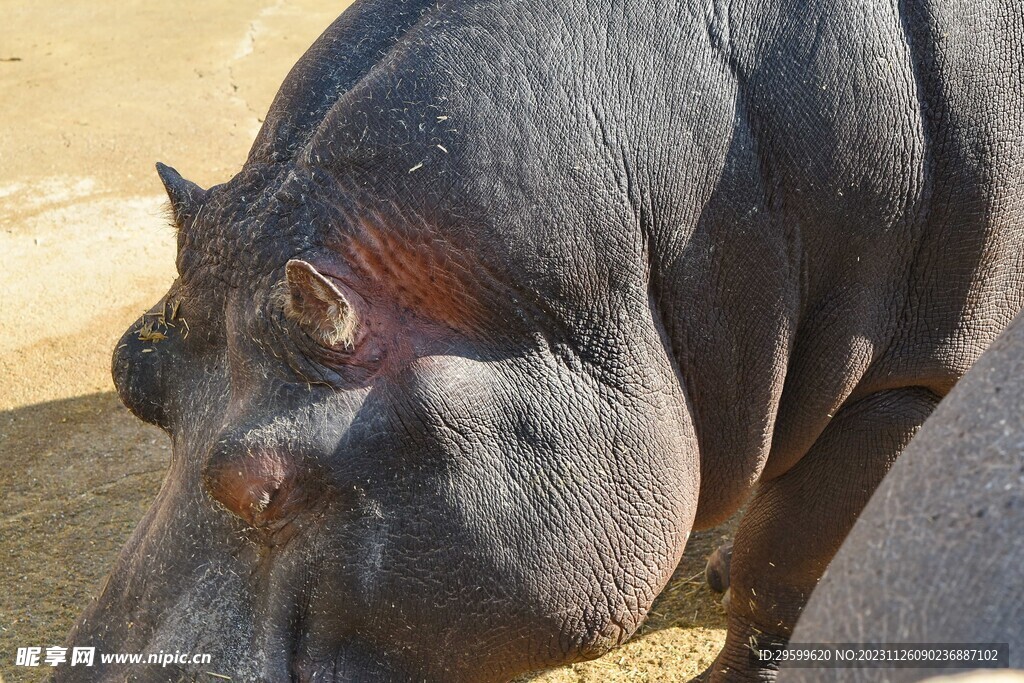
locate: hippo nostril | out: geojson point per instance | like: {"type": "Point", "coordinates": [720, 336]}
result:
{"type": "Point", "coordinates": [139, 378]}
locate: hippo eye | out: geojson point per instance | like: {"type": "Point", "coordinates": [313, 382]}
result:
{"type": "Point", "coordinates": [319, 308]}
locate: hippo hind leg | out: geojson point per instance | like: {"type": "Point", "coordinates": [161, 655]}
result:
{"type": "Point", "coordinates": [717, 570]}
{"type": "Point", "coordinates": [796, 522]}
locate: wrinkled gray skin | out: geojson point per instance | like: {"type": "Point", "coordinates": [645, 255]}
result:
{"type": "Point", "coordinates": [937, 555]}
{"type": "Point", "coordinates": [614, 265]}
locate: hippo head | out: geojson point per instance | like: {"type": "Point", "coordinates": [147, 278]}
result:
{"type": "Point", "coordinates": [417, 434]}
{"type": "Point", "coordinates": [385, 466]}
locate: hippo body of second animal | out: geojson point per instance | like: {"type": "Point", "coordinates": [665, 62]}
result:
{"type": "Point", "coordinates": [938, 554]}
{"type": "Point", "coordinates": [510, 295]}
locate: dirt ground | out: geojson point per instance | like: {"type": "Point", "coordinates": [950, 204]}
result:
{"type": "Point", "coordinates": [92, 93]}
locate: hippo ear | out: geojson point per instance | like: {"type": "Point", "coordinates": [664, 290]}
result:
{"type": "Point", "coordinates": [186, 197]}
{"type": "Point", "coordinates": [319, 307]}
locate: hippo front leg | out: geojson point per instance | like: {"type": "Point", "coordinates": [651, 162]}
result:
{"type": "Point", "coordinates": [796, 522]}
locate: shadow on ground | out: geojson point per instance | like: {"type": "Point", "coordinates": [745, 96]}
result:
{"type": "Point", "coordinates": [77, 475]}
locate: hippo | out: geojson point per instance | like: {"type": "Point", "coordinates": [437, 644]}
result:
{"type": "Point", "coordinates": [936, 556]}
{"type": "Point", "coordinates": [510, 296]}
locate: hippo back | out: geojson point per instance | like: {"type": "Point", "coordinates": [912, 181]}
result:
{"type": "Point", "coordinates": [937, 555]}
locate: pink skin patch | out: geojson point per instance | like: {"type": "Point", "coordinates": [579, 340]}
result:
{"type": "Point", "coordinates": [425, 275]}
{"type": "Point", "coordinates": [259, 486]}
